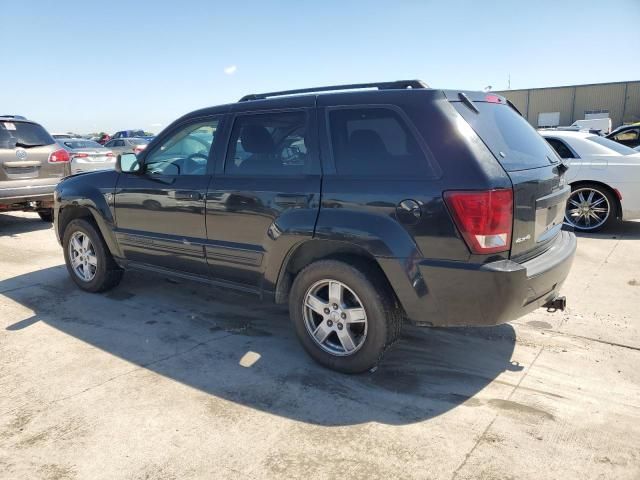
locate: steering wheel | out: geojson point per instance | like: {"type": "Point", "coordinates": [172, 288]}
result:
{"type": "Point", "coordinates": [194, 167]}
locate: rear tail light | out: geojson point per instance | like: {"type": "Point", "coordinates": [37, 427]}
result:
{"type": "Point", "coordinates": [484, 218]}
{"type": "Point", "coordinates": [109, 154]}
{"type": "Point", "coordinates": [59, 156]}
{"type": "Point", "coordinates": [138, 149]}
{"type": "Point", "coordinates": [80, 155]}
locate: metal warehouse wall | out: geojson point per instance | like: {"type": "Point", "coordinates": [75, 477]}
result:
{"type": "Point", "coordinates": [620, 99]}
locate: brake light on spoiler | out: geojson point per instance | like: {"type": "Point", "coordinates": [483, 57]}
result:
{"type": "Point", "coordinates": [484, 218]}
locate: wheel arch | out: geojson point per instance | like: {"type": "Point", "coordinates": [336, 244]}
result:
{"type": "Point", "coordinates": [314, 250]}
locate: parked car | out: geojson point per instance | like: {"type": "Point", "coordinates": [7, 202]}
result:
{"type": "Point", "coordinates": [87, 155]}
{"type": "Point", "coordinates": [59, 136]}
{"type": "Point", "coordinates": [628, 135]}
{"type": "Point", "coordinates": [132, 134]}
{"type": "Point", "coordinates": [441, 207]}
{"type": "Point", "coordinates": [126, 145]}
{"type": "Point", "coordinates": [31, 165]}
{"type": "Point", "coordinates": [604, 178]}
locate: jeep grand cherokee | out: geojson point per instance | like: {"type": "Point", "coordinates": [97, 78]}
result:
{"type": "Point", "coordinates": [360, 205]}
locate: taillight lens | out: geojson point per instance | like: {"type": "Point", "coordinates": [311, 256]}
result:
{"type": "Point", "coordinates": [109, 154]}
{"type": "Point", "coordinates": [484, 218]}
{"type": "Point", "coordinates": [80, 155]}
{"type": "Point", "coordinates": [59, 156]}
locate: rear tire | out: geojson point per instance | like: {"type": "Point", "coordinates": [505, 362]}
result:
{"type": "Point", "coordinates": [88, 259]}
{"type": "Point", "coordinates": [352, 337]}
{"type": "Point", "coordinates": [46, 215]}
{"type": "Point", "coordinates": [591, 208]}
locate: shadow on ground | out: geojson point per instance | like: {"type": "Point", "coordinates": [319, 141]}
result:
{"type": "Point", "coordinates": [619, 230]}
{"type": "Point", "coordinates": [197, 335]}
{"type": "Point", "coordinates": [13, 224]}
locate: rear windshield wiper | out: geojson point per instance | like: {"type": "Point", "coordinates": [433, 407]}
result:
{"type": "Point", "coordinates": [29, 145]}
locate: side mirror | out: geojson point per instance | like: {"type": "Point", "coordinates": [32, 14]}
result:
{"type": "Point", "coordinates": [128, 163]}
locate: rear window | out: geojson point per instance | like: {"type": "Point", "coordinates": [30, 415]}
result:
{"type": "Point", "coordinates": [511, 139]}
{"type": "Point", "coordinates": [375, 141]}
{"type": "Point", "coordinates": [82, 144]}
{"type": "Point", "coordinates": [25, 134]}
{"type": "Point", "coordinates": [611, 145]}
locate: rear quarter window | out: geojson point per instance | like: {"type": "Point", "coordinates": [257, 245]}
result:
{"type": "Point", "coordinates": [511, 139]}
{"type": "Point", "coordinates": [24, 133]}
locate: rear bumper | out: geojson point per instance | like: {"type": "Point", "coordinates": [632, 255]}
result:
{"type": "Point", "coordinates": [36, 193]}
{"type": "Point", "coordinates": [459, 294]}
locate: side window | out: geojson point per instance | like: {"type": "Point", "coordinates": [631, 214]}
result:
{"type": "Point", "coordinates": [269, 144]}
{"type": "Point", "coordinates": [560, 148]}
{"type": "Point", "coordinates": [629, 135]}
{"type": "Point", "coordinates": [119, 143]}
{"type": "Point", "coordinates": [186, 152]}
{"type": "Point", "coordinates": [375, 142]}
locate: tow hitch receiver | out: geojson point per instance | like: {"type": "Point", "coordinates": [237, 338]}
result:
{"type": "Point", "coordinates": [558, 303]}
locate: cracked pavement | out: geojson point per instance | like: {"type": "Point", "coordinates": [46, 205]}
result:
{"type": "Point", "coordinates": [151, 380]}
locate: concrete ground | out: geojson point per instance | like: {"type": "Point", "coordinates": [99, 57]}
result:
{"type": "Point", "coordinates": [167, 379]}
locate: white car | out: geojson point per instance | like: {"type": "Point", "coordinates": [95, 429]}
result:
{"type": "Point", "coordinates": [604, 177]}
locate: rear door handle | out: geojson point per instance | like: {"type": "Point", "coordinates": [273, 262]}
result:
{"type": "Point", "coordinates": [291, 200]}
{"type": "Point", "coordinates": [187, 195]}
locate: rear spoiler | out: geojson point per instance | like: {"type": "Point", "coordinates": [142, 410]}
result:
{"type": "Point", "coordinates": [469, 98]}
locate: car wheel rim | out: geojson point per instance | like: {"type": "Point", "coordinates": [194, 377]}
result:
{"type": "Point", "coordinates": [335, 317]}
{"type": "Point", "coordinates": [587, 209]}
{"type": "Point", "coordinates": [82, 256]}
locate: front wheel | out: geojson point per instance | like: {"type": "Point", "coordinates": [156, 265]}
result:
{"type": "Point", "coordinates": [345, 317]}
{"type": "Point", "coordinates": [590, 208]}
{"type": "Point", "coordinates": [88, 259]}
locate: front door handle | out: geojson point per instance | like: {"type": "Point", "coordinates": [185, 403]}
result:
{"type": "Point", "coordinates": [286, 200]}
{"type": "Point", "coordinates": [187, 195]}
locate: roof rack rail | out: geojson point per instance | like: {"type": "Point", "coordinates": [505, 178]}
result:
{"type": "Point", "coordinates": [17, 117]}
{"type": "Point", "coordinates": [395, 85]}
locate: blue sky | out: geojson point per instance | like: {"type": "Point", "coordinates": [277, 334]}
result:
{"type": "Point", "coordinates": [85, 66]}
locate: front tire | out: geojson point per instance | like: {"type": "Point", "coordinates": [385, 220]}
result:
{"type": "Point", "coordinates": [88, 259]}
{"type": "Point", "coordinates": [345, 317]}
{"type": "Point", "coordinates": [590, 208]}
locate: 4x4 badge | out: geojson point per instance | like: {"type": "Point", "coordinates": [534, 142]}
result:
{"type": "Point", "coordinates": [523, 239]}
{"type": "Point", "coordinates": [21, 154]}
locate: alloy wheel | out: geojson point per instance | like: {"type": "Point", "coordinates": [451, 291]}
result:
{"type": "Point", "coordinates": [587, 209]}
{"type": "Point", "coordinates": [82, 256]}
{"type": "Point", "coordinates": [335, 317]}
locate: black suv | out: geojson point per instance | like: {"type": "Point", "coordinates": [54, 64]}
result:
{"type": "Point", "coordinates": [361, 208]}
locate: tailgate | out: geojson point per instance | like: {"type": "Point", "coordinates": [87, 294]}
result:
{"type": "Point", "coordinates": [24, 155]}
{"type": "Point", "coordinates": [536, 172]}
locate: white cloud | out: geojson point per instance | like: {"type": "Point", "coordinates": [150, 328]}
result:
{"type": "Point", "coordinates": [230, 70]}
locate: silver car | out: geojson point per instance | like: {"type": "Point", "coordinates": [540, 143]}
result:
{"type": "Point", "coordinates": [126, 145]}
{"type": "Point", "coordinates": [87, 155]}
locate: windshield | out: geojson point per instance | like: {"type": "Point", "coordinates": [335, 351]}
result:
{"type": "Point", "coordinates": [73, 144]}
{"type": "Point", "coordinates": [24, 134]}
{"type": "Point", "coordinates": [606, 144]}
{"type": "Point", "coordinates": [511, 139]}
